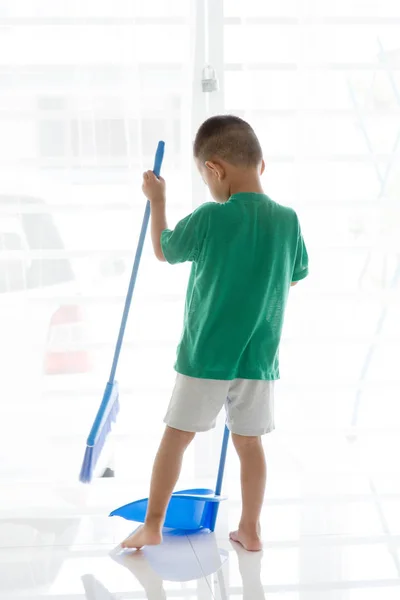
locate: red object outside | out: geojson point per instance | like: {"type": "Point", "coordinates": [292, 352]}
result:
{"type": "Point", "coordinates": [66, 323]}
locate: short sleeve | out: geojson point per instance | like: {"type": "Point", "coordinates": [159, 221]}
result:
{"type": "Point", "coordinates": [185, 242]}
{"type": "Point", "coordinates": [300, 270]}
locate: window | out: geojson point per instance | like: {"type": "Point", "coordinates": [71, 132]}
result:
{"type": "Point", "coordinates": [41, 234]}
{"type": "Point", "coordinates": [87, 93]}
{"type": "Point", "coordinates": [26, 234]}
{"type": "Point", "coordinates": [102, 132]}
{"type": "Point", "coordinates": [88, 89]}
{"type": "Point", "coordinates": [12, 270]}
{"type": "Point", "coordinates": [327, 113]}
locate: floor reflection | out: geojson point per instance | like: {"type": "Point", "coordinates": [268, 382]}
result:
{"type": "Point", "coordinates": [95, 590]}
{"type": "Point", "coordinates": [250, 565]}
{"type": "Point", "coordinates": [181, 558]}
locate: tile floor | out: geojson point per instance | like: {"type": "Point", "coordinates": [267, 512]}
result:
{"type": "Point", "coordinates": [331, 531]}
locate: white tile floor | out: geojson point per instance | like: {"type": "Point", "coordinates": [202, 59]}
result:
{"type": "Point", "coordinates": [330, 533]}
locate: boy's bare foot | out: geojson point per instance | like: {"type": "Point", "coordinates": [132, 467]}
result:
{"type": "Point", "coordinates": [250, 541]}
{"type": "Point", "coordinates": [144, 536]}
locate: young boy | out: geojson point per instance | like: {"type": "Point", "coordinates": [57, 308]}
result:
{"type": "Point", "coordinates": [246, 252]}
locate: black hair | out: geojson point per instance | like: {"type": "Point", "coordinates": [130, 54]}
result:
{"type": "Point", "coordinates": [230, 138]}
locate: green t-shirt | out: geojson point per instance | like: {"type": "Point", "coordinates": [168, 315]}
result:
{"type": "Point", "coordinates": [245, 255]}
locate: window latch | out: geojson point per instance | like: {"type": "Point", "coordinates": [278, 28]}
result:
{"type": "Point", "coordinates": [209, 81]}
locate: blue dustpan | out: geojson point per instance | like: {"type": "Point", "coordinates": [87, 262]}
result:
{"type": "Point", "coordinates": [190, 510]}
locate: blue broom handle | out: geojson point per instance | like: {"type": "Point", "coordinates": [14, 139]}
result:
{"type": "Point", "coordinates": [218, 487]}
{"type": "Point", "coordinates": [221, 468]}
{"type": "Point", "coordinates": [156, 170]}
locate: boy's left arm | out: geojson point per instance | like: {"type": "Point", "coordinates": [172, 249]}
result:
{"type": "Point", "coordinates": [301, 262]}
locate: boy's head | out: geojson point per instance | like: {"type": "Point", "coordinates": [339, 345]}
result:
{"type": "Point", "coordinates": [226, 148]}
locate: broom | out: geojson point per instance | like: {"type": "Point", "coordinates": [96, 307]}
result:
{"type": "Point", "coordinates": [109, 407]}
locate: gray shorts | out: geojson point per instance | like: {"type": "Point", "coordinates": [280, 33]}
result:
{"type": "Point", "coordinates": [196, 403]}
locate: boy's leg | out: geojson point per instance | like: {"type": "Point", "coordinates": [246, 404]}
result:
{"type": "Point", "coordinates": [253, 479]}
{"type": "Point", "coordinates": [250, 414]}
{"type": "Point", "coordinates": [166, 470]}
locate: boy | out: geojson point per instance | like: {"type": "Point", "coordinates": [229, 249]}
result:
{"type": "Point", "coordinates": [246, 252]}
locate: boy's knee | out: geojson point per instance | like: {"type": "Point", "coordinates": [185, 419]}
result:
{"type": "Point", "coordinates": [244, 442]}
{"type": "Point", "coordinates": [183, 438]}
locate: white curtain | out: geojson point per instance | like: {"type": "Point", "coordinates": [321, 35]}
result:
{"type": "Point", "coordinates": [319, 81]}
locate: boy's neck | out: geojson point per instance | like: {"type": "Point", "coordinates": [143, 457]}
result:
{"type": "Point", "coordinates": [246, 185]}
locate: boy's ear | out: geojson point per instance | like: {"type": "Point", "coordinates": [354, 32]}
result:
{"type": "Point", "coordinates": [262, 169]}
{"type": "Point", "coordinates": [216, 169]}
